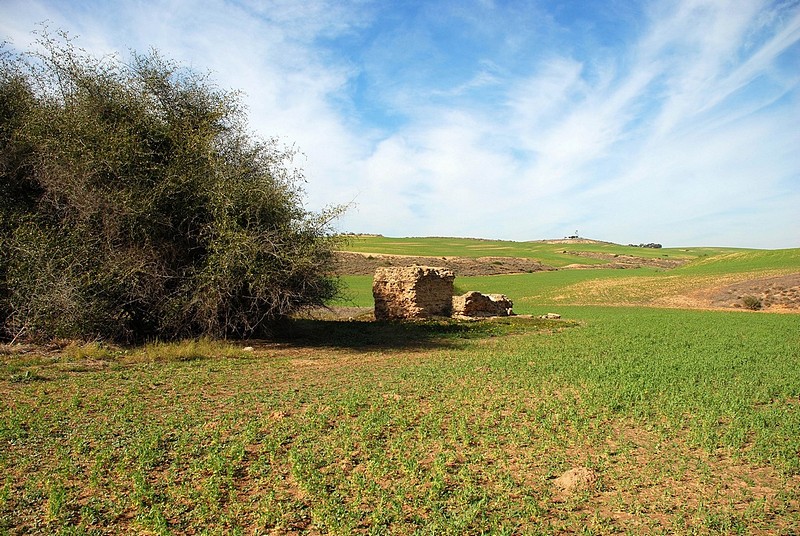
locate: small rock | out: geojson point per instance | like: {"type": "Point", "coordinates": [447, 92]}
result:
{"type": "Point", "coordinates": [551, 316]}
{"type": "Point", "coordinates": [248, 349]}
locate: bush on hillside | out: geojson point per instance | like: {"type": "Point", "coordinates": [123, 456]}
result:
{"type": "Point", "coordinates": [135, 204]}
{"type": "Point", "coordinates": [752, 302]}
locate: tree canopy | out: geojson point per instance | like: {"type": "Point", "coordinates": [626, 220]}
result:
{"type": "Point", "coordinates": [135, 203]}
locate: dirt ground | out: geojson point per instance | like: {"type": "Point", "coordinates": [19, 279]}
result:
{"type": "Point", "coordinates": [772, 293]}
{"type": "Point", "coordinates": [351, 263]}
{"type": "Point", "coordinates": [623, 261]}
{"type": "Point", "coordinates": [365, 264]}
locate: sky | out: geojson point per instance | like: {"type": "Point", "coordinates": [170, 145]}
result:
{"type": "Point", "coordinates": [671, 121]}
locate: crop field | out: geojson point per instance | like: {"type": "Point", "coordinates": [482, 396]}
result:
{"type": "Point", "coordinates": [555, 254]}
{"type": "Point", "coordinates": [705, 267]}
{"type": "Point", "coordinates": [670, 420]}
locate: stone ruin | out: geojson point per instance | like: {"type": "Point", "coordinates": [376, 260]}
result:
{"type": "Point", "coordinates": [422, 292]}
{"type": "Point", "coordinates": [412, 292]}
{"type": "Point", "coordinates": [474, 304]}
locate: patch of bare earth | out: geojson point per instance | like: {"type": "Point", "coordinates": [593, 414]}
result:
{"type": "Point", "coordinates": [778, 293]}
{"type": "Point", "coordinates": [624, 261]}
{"type": "Point", "coordinates": [352, 263]}
{"type": "Point", "coordinates": [773, 293]}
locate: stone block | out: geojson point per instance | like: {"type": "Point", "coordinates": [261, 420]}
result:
{"type": "Point", "coordinates": [412, 292]}
{"type": "Point", "coordinates": [474, 304]}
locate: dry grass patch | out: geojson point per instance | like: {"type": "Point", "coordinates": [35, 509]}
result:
{"type": "Point", "coordinates": [678, 291]}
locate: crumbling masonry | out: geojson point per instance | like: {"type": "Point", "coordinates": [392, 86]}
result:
{"type": "Point", "coordinates": [424, 292]}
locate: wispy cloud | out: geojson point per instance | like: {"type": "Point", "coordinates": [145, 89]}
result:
{"type": "Point", "coordinates": [654, 121]}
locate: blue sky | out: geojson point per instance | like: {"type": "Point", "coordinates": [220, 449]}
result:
{"type": "Point", "coordinates": [672, 121]}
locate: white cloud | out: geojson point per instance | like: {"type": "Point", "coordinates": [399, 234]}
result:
{"type": "Point", "coordinates": [687, 133]}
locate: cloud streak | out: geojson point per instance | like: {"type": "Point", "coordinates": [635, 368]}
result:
{"type": "Point", "coordinates": [670, 121]}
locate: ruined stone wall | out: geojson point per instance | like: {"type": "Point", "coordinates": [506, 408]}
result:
{"type": "Point", "coordinates": [474, 304]}
{"type": "Point", "coordinates": [412, 292]}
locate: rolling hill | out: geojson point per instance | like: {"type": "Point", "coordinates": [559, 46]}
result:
{"type": "Point", "coordinates": [550, 273]}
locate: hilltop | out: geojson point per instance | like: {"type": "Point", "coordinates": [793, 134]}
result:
{"type": "Point", "coordinates": [577, 240]}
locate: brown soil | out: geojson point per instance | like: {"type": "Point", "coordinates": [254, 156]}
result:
{"type": "Point", "coordinates": [576, 479]}
{"type": "Point", "coordinates": [772, 293]}
{"type": "Point", "coordinates": [350, 263]}
{"type": "Point", "coordinates": [623, 261]}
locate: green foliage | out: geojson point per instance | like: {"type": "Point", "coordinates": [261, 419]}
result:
{"type": "Point", "coordinates": [94, 351]}
{"type": "Point", "coordinates": [186, 350]}
{"type": "Point", "coordinates": [135, 204]}
{"type": "Point", "coordinates": [752, 302]}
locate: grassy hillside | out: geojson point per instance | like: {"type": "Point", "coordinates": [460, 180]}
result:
{"type": "Point", "coordinates": [745, 261]}
{"type": "Point", "coordinates": [551, 254]}
{"type": "Point", "coordinates": [706, 267]}
{"type": "Point", "coordinates": [529, 292]}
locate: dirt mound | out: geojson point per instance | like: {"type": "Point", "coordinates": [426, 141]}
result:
{"type": "Point", "coordinates": [351, 263]}
{"type": "Point", "coordinates": [578, 478]}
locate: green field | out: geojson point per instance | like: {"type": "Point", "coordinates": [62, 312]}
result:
{"type": "Point", "coordinates": [688, 421]}
{"type": "Point", "coordinates": [529, 292]}
{"type": "Point", "coordinates": [532, 292]}
{"type": "Point", "coordinates": [550, 254]}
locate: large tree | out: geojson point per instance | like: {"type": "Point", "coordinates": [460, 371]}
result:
{"type": "Point", "coordinates": [135, 203]}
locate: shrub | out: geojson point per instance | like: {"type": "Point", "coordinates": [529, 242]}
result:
{"type": "Point", "coordinates": [752, 302]}
{"type": "Point", "coordinates": [135, 204]}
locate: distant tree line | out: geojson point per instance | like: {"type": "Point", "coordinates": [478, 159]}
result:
{"type": "Point", "coordinates": [135, 204]}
